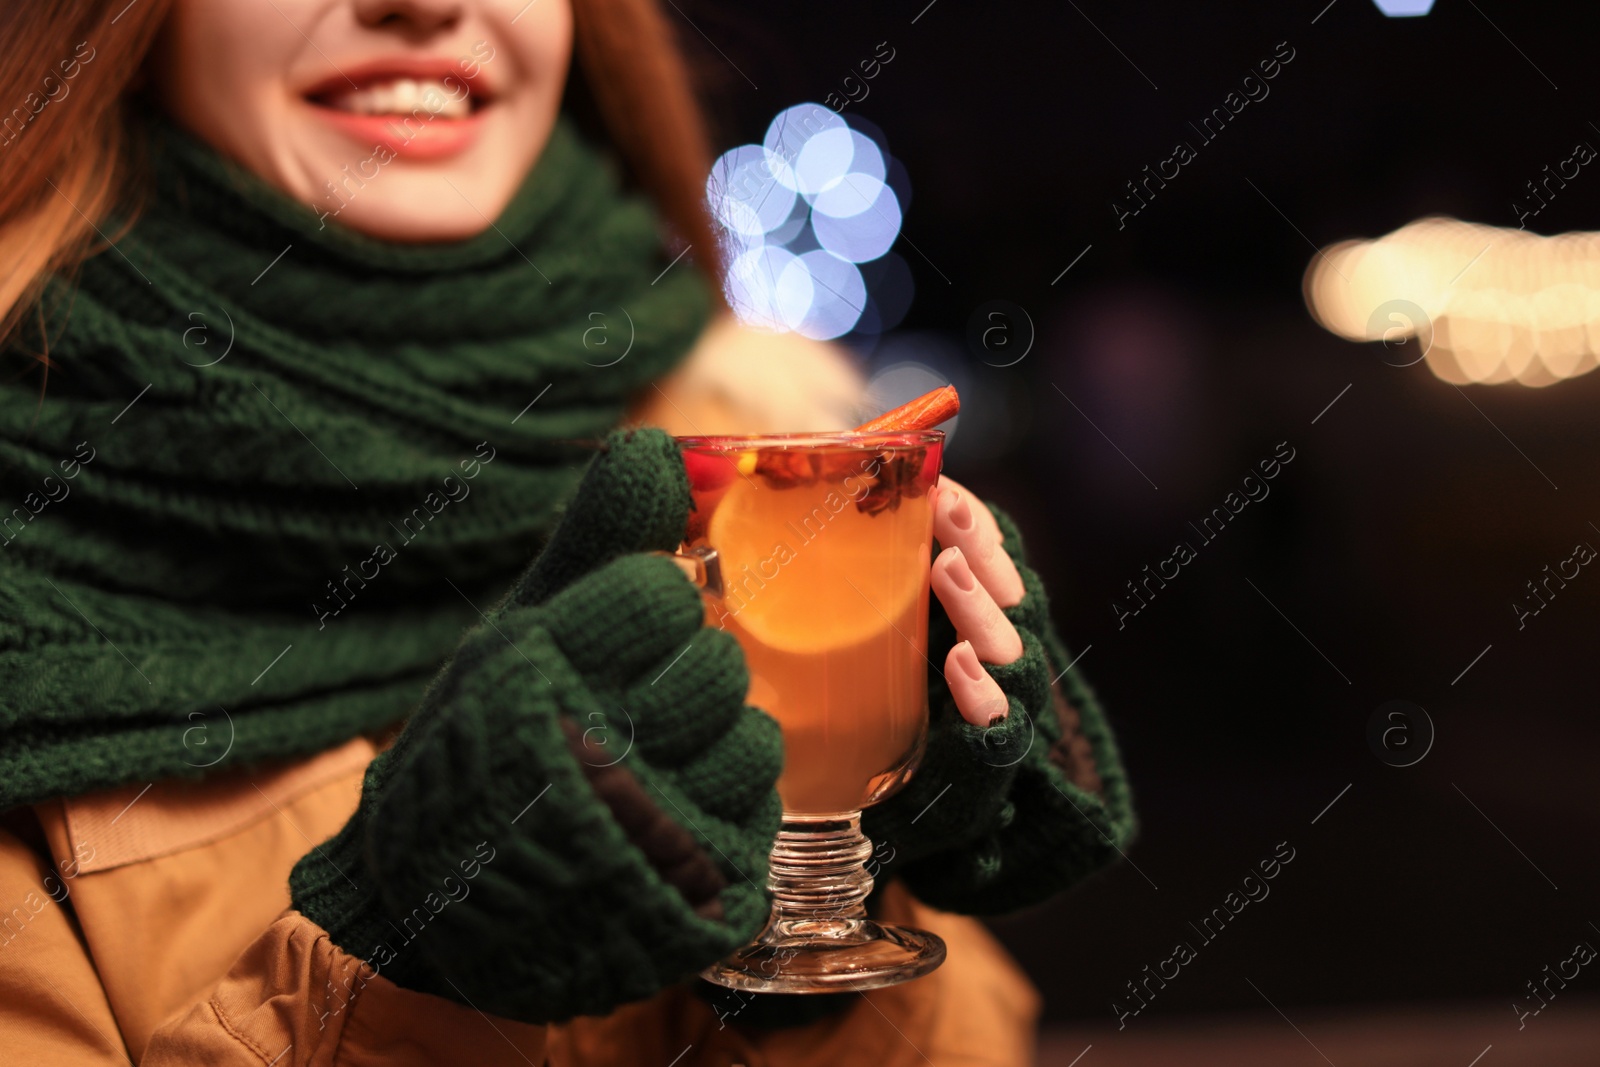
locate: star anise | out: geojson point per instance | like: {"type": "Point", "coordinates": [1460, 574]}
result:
{"type": "Point", "coordinates": [897, 478]}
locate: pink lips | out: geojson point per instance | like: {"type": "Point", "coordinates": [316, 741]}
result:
{"type": "Point", "coordinates": [418, 138]}
{"type": "Point", "coordinates": [419, 135]}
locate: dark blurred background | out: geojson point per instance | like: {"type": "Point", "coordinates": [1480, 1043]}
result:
{"type": "Point", "coordinates": [1173, 356]}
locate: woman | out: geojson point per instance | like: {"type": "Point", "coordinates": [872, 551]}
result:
{"type": "Point", "coordinates": [307, 303]}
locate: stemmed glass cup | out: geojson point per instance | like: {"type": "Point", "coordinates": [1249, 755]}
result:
{"type": "Point", "coordinates": [813, 551]}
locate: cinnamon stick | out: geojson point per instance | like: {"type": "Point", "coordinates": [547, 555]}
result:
{"type": "Point", "coordinates": [923, 413]}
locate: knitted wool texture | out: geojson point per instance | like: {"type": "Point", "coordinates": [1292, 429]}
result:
{"type": "Point", "coordinates": [571, 914]}
{"type": "Point", "coordinates": [990, 823]}
{"type": "Point", "coordinates": [277, 466]}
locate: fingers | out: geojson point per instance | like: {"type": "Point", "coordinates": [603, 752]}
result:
{"type": "Point", "coordinates": [627, 620]}
{"type": "Point", "coordinates": [978, 696]}
{"type": "Point", "coordinates": [709, 675]}
{"type": "Point", "coordinates": [973, 612]}
{"type": "Point", "coordinates": [960, 520]}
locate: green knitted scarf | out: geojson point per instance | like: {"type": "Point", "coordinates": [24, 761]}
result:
{"type": "Point", "coordinates": [276, 468]}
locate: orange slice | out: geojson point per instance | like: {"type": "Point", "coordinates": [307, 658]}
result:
{"type": "Point", "coordinates": [806, 571]}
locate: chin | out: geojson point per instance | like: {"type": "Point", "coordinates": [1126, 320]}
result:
{"type": "Point", "coordinates": [448, 182]}
{"type": "Point", "coordinates": [420, 207]}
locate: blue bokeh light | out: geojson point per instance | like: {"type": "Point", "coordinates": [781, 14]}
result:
{"type": "Point", "coordinates": [1403, 8]}
{"type": "Point", "coordinates": [799, 212]}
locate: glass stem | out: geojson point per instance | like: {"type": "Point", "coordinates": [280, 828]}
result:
{"type": "Point", "coordinates": [817, 871]}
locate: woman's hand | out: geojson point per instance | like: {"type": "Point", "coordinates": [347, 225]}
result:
{"type": "Point", "coordinates": [974, 580]}
{"type": "Point", "coordinates": [591, 739]}
{"type": "Point", "coordinates": [1020, 791]}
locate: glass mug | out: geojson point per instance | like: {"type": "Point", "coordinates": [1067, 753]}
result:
{"type": "Point", "coordinates": [813, 551]}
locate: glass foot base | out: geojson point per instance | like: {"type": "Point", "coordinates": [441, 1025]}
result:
{"type": "Point", "coordinates": [818, 938]}
{"type": "Point", "coordinates": [829, 956]}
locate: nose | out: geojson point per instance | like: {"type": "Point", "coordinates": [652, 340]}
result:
{"type": "Point", "coordinates": [416, 16]}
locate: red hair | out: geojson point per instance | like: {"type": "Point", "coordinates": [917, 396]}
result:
{"type": "Point", "coordinates": [63, 169]}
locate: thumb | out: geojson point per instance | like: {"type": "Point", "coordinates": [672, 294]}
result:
{"type": "Point", "coordinates": [633, 498]}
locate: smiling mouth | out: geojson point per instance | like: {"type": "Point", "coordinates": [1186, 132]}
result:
{"type": "Point", "coordinates": [420, 109]}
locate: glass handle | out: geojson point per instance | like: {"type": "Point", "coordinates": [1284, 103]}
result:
{"type": "Point", "coordinates": [701, 564]}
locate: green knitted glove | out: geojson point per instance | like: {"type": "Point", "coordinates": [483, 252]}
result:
{"type": "Point", "coordinates": [580, 811]}
{"type": "Point", "coordinates": [998, 818]}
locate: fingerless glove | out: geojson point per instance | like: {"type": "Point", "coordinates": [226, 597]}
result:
{"type": "Point", "coordinates": [1003, 816]}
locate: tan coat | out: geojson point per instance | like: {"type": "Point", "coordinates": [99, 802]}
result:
{"type": "Point", "coordinates": [151, 923]}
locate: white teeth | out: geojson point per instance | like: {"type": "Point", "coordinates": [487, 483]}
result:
{"type": "Point", "coordinates": [403, 96]}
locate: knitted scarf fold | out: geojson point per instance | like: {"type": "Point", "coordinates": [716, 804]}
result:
{"type": "Point", "coordinates": [277, 468]}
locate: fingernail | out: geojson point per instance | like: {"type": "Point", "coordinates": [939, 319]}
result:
{"type": "Point", "coordinates": [967, 658]}
{"type": "Point", "coordinates": [960, 573]}
{"type": "Point", "coordinates": [961, 514]}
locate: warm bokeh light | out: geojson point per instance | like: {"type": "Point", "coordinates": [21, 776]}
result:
{"type": "Point", "coordinates": [1481, 304]}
